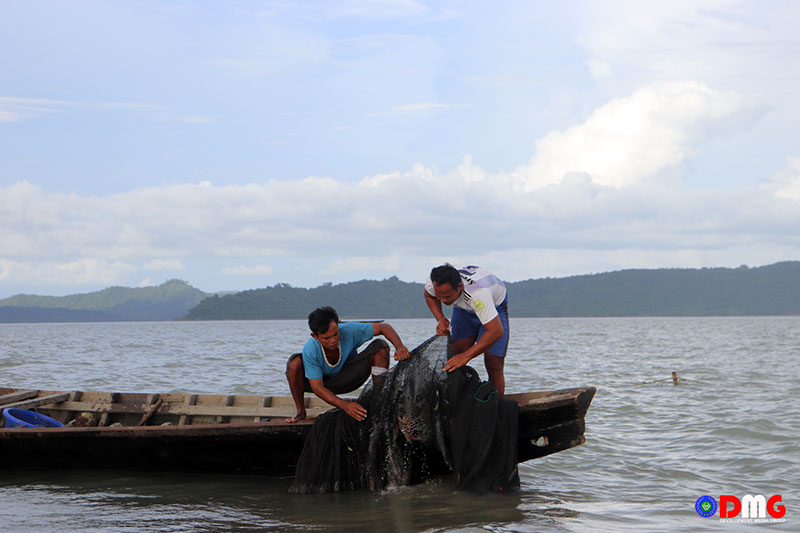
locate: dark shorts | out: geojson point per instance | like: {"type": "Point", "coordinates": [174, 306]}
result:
{"type": "Point", "coordinates": [354, 373]}
{"type": "Point", "coordinates": [464, 324]}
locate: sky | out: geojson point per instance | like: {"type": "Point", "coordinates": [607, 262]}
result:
{"type": "Point", "coordinates": [240, 144]}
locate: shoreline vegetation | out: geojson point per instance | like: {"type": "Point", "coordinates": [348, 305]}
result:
{"type": "Point", "coordinates": [771, 290]}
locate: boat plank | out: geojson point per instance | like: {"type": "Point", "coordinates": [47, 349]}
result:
{"type": "Point", "coordinates": [151, 411]}
{"type": "Point", "coordinates": [227, 402]}
{"type": "Point", "coordinates": [36, 402]}
{"type": "Point", "coordinates": [66, 416]}
{"type": "Point", "coordinates": [191, 399]}
{"type": "Point", "coordinates": [180, 409]}
{"type": "Point", "coordinates": [266, 402]}
{"type": "Point", "coordinates": [18, 396]}
{"type": "Point", "coordinates": [112, 397]}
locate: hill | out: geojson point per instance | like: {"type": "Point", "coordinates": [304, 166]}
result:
{"type": "Point", "coordinates": [389, 298]}
{"type": "Point", "coordinates": [743, 291]}
{"type": "Point", "coordinates": [167, 301]}
{"type": "Point", "coordinates": [767, 290]}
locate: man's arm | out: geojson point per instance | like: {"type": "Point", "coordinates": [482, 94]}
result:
{"type": "Point", "coordinates": [354, 409]}
{"type": "Point", "coordinates": [494, 330]}
{"type": "Point", "coordinates": [400, 350]}
{"type": "Point", "coordinates": [442, 324]}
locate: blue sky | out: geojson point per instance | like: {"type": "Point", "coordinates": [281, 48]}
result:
{"type": "Point", "coordinates": [237, 145]}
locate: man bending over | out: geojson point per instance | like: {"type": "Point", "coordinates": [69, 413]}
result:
{"type": "Point", "coordinates": [479, 319]}
{"type": "Point", "coordinates": [330, 363]}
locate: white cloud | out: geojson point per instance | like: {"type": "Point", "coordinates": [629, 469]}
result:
{"type": "Point", "coordinates": [588, 193]}
{"type": "Point", "coordinates": [743, 45]}
{"type": "Point", "coordinates": [15, 109]}
{"type": "Point", "coordinates": [413, 109]}
{"type": "Point", "coordinates": [631, 139]}
{"type": "Point", "coordinates": [163, 264]}
{"type": "Point", "coordinates": [388, 264]}
{"type": "Point", "coordinates": [257, 270]}
{"type": "Point", "coordinates": [788, 183]}
{"type": "Point", "coordinates": [9, 116]}
{"type": "Point", "coordinates": [599, 68]}
{"type": "Point", "coordinates": [81, 271]}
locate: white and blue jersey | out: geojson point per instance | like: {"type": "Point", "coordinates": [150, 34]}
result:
{"type": "Point", "coordinates": [483, 292]}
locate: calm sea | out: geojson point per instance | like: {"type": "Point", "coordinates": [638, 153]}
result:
{"type": "Point", "coordinates": [652, 449]}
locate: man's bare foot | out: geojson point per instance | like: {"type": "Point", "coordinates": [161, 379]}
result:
{"type": "Point", "coordinates": [301, 415]}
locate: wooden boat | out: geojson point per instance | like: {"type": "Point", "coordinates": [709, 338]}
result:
{"type": "Point", "coordinates": [220, 433]}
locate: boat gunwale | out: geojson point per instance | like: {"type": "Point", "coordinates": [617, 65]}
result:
{"type": "Point", "coordinates": [531, 405]}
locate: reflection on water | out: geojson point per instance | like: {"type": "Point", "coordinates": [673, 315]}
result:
{"type": "Point", "coordinates": [120, 501]}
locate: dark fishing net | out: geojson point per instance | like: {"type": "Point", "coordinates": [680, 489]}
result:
{"type": "Point", "coordinates": [421, 421]}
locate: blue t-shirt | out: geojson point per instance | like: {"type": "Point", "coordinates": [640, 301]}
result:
{"type": "Point", "coordinates": [351, 336]}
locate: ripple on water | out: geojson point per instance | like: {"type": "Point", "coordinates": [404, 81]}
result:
{"type": "Point", "coordinates": [651, 450]}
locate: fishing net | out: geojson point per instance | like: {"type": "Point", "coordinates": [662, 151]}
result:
{"type": "Point", "coordinates": [421, 421]}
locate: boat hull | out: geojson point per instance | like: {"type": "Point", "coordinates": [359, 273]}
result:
{"type": "Point", "coordinates": [212, 433]}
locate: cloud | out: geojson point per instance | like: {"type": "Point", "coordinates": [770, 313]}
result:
{"type": "Point", "coordinates": [788, 182]}
{"type": "Point", "coordinates": [413, 109]}
{"type": "Point", "coordinates": [388, 264]}
{"type": "Point", "coordinates": [723, 42]}
{"type": "Point", "coordinates": [163, 264]}
{"type": "Point", "coordinates": [594, 189]}
{"type": "Point", "coordinates": [76, 272]}
{"type": "Point", "coordinates": [14, 109]}
{"type": "Point", "coordinates": [257, 270]}
{"type": "Point", "coordinates": [631, 139]}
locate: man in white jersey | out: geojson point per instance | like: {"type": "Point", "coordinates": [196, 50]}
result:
{"type": "Point", "coordinates": [479, 320]}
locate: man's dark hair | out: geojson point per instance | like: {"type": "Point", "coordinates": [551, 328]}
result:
{"type": "Point", "coordinates": [446, 273]}
{"type": "Point", "coordinates": [319, 320]}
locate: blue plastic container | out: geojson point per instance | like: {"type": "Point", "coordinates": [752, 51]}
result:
{"type": "Point", "coordinates": [16, 418]}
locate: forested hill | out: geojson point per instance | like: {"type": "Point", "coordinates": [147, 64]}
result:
{"type": "Point", "coordinates": [767, 290]}
{"type": "Point", "coordinates": [167, 301]}
{"type": "Point", "coordinates": [390, 298]}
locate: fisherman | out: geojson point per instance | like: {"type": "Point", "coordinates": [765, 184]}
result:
{"type": "Point", "coordinates": [479, 320]}
{"type": "Point", "coordinates": [330, 363]}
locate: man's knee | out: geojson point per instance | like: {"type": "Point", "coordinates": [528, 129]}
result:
{"type": "Point", "coordinates": [379, 352]}
{"type": "Point", "coordinates": [377, 345]}
{"type": "Point", "coordinates": [294, 365]}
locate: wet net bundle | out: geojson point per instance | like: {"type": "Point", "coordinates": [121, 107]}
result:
{"type": "Point", "coordinates": [421, 421]}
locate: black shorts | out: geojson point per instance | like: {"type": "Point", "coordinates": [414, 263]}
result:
{"type": "Point", "coordinates": [354, 373]}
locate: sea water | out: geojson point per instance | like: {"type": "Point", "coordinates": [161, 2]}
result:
{"type": "Point", "coordinates": [730, 427]}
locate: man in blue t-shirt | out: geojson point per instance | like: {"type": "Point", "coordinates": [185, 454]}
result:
{"type": "Point", "coordinates": [331, 364]}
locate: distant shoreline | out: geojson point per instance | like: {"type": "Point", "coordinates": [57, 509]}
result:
{"type": "Point", "coordinates": [772, 290]}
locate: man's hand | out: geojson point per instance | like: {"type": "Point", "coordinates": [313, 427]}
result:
{"type": "Point", "coordinates": [355, 410]}
{"type": "Point", "coordinates": [443, 327]}
{"type": "Point", "coordinates": [401, 353]}
{"type": "Point", "coordinates": [457, 361]}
